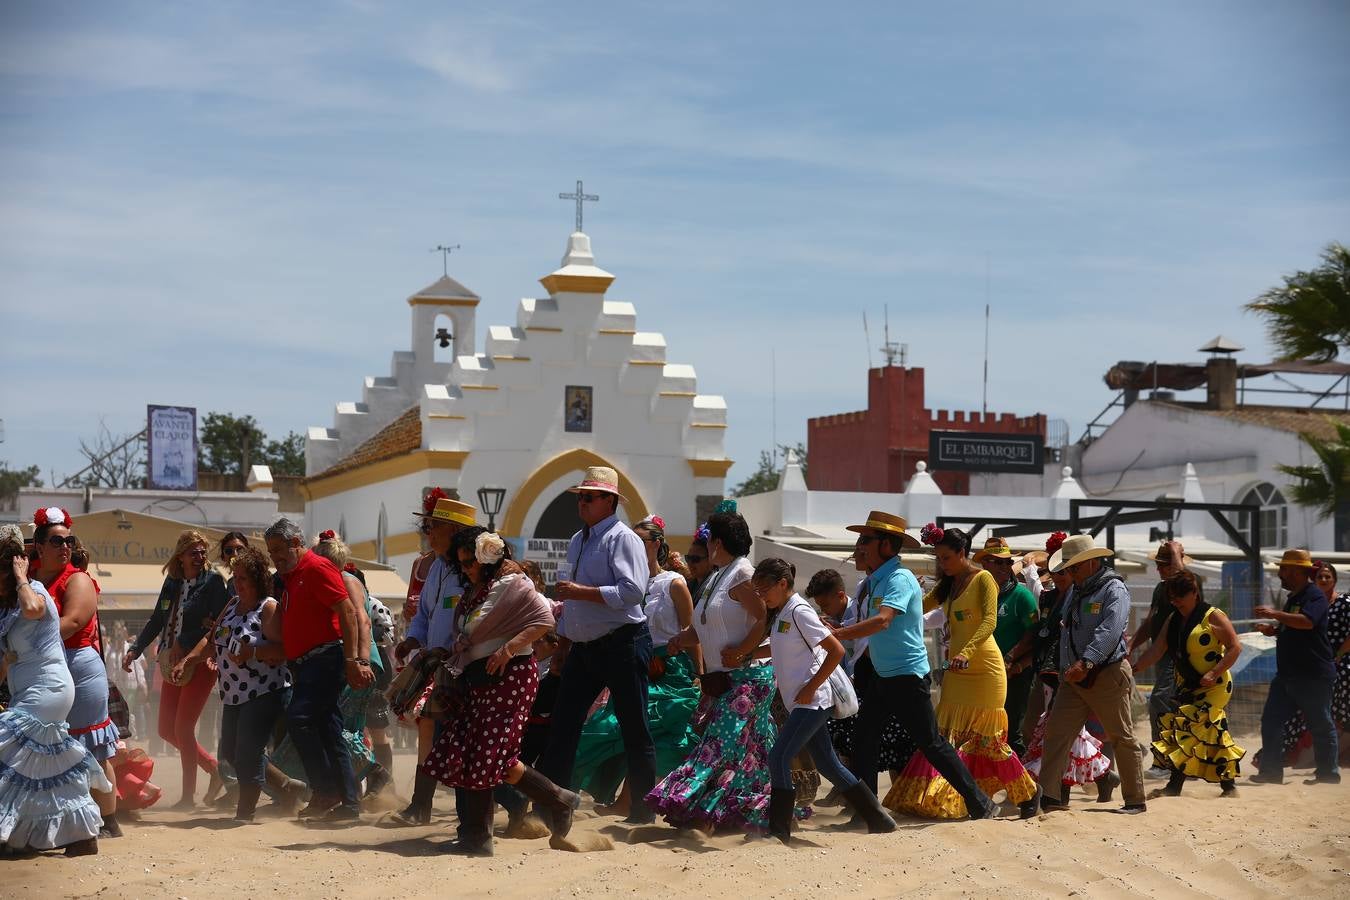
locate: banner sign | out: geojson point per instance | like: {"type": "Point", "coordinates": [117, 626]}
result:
{"type": "Point", "coordinates": [966, 451]}
{"type": "Point", "coordinates": [171, 448]}
{"type": "Point", "coordinates": [551, 555]}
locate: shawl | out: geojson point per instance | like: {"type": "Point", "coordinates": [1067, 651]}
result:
{"type": "Point", "coordinates": [512, 606]}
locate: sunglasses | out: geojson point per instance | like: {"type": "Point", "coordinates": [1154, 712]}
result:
{"type": "Point", "coordinates": [693, 558]}
{"type": "Point", "coordinates": [583, 497]}
{"type": "Point", "coordinates": [864, 541]}
{"type": "Point", "coordinates": [58, 542]}
{"type": "Point", "coordinates": [198, 552]}
{"type": "Point", "coordinates": [231, 551]}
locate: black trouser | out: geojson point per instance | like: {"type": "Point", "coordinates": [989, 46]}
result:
{"type": "Point", "coordinates": [908, 698]}
{"type": "Point", "coordinates": [1019, 694]}
{"type": "Point", "coordinates": [617, 661]}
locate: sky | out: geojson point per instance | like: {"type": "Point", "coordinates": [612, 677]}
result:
{"type": "Point", "coordinates": [224, 205]}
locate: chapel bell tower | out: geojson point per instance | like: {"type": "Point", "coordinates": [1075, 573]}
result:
{"type": "Point", "coordinates": [442, 328]}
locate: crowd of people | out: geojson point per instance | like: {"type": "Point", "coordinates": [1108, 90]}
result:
{"type": "Point", "coordinates": [698, 687]}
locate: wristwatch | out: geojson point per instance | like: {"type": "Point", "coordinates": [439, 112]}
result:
{"type": "Point", "coordinates": [1088, 664]}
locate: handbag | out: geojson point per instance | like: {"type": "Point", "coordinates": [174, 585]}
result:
{"type": "Point", "coordinates": [845, 697]}
{"type": "Point", "coordinates": [715, 684]}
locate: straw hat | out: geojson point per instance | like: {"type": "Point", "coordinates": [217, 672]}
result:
{"type": "Point", "coordinates": [1164, 554]}
{"type": "Point", "coordinates": [886, 523]}
{"type": "Point", "coordinates": [1075, 549]}
{"type": "Point", "coordinates": [995, 546]}
{"type": "Point", "coordinates": [601, 479]}
{"type": "Point", "coordinates": [447, 510]}
{"type": "Point", "coordinates": [1036, 558]}
{"type": "Point", "coordinates": [1300, 558]}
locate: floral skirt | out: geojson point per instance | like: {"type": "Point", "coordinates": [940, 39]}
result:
{"type": "Point", "coordinates": [980, 737]}
{"type": "Point", "coordinates": [1194, 740]}
{"type": "Point", "coordinates": [1086, 764]}
{"type": "Point", "coordinates": [481, 743]}
{"type": "Point", "coordinates": [724, 782]}
{"type": "Point", "coordinates": [45, 779]}
{"type": "Point", "coordinates": [601, 763]}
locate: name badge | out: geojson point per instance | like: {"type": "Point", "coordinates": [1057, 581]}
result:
{"type": "Point", "coordinates": [164, 604]}
{"type": "Point", "coordinates": [450, 601]}
{"type": "Point", "coordinates": [1296, 608]}
{"type": "Point", "coordinates": [223, 632]}
{"type": "Point", "coordinates": [784, 627]}
{"type": "Point", "coordinates": [1095, 608]}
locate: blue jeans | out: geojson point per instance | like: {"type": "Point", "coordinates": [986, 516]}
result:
{"type": "Point", "coordinates": [315, 724]}
{"type": "Point", "coordinates": [244, 732]}
{"type": "Point", "coordinates": [617, 661]}
{"type": "Point", "coordinates": [1289, 694]}
{"type": "Point", "coordinates": [806, 728]}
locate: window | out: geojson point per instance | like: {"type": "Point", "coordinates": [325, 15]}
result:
{"type": "Point", "coordinates": [1273, 519]}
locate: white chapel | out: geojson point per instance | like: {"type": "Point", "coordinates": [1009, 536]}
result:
{"type": "Point", "coordinates": [571, 384]}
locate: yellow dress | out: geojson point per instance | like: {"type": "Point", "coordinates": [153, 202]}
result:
{"type": "Point", "coordinates": [970, 713]}
{"type": "Point", "coordinates": [1194, 740]}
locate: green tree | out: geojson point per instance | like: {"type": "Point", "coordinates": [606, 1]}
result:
{"type": "Point", "coordinates": [1326, 486]}
{"type": "Point", "coordinates": [286, 456]}
{"type": "Point", "coordinates": [227, 443]}
{"type": "Point", "coordinates": [1308, 317]}
{"type": "Point", "coordinates": [13, 479]}
{"type": "Point", "coordinates": [765, 476]}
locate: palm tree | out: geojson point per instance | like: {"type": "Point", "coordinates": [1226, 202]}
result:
{"type": "Point", "coordinates": [1325, 487]}
{"type": "Point", "coordinates": [1308, 317]}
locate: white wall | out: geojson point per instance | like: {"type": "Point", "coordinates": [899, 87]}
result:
{"type": "Point", "coordinates": [215, 509]}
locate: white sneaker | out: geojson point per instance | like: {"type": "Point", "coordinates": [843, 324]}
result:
{"type": "Point", "coordinates": [1157, 773]}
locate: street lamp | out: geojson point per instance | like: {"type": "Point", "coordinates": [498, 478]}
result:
{"type": "Point", "coordinates": [490, 502]}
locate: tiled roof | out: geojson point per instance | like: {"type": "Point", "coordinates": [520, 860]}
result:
{"type": "Point", "coordinates": [403, 435]}
{"type": "Point", "coordinates": [1317, 422]}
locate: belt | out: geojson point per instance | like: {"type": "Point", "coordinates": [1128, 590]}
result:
{"type": "Point", "coordinates": [322, 648]}
{"type": "Point", "coordinates": [623, 631]}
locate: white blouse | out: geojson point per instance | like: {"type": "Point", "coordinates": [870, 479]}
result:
{"type": "Point", "coordinates": [662, 620]}
{"type": "Point", "coordinates": [720, 621]}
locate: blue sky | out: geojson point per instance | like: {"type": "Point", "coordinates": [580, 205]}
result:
{"type": "Point", "coordinates": [224, 205]}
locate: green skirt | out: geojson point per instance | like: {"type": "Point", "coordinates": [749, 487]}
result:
{"type": "Point", "coordinates": [671, 699]}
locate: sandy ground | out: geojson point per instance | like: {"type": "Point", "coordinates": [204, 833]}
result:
{"type": "Point", "coordinates": [1270, 841]}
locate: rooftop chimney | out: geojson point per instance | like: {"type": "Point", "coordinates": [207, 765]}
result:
{"type": "Point", "coordinates": [1221, 373]}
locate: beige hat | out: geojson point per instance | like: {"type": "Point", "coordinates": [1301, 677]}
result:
{"type": "Point", "coordinates": [602, 479]}
{"type": "Point", "coordinates": [888, 523]}
{"type": "Point", "coordinates": [995, 546]}
{"type": "Point", "coordinates": [1075, 549]}
{"type": "Point", "coordinates": [1164, 554]}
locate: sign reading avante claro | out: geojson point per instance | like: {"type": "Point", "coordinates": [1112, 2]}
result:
{"type": "Point", "coordinates": [964, 451]}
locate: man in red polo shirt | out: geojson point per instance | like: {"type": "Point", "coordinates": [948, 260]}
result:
{"type": "Point", "coordinates": [320, 637]}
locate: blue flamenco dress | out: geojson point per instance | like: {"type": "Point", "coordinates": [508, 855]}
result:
{"type": "Point", "coordinates": [45, 774]}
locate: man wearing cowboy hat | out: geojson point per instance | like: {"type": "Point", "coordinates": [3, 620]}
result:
{"type": "Point", "coordinates": [1169, 559]}
{"type": "Point", "coordinates": [433, 627]}
{"type": "Point", "coordinates": [1017, 615]}
{"type": "Point", "coordinates": [890, 617]}
{"type": "Point", "coordinates": [1097, 676]}
{"type": "Point", "coordinates": [611, 646]}
{"type": "Point", "coordinates": [1305, 671]}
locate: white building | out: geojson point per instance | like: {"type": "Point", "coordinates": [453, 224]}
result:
{"type": "Point", "coordinates": [572, 383]}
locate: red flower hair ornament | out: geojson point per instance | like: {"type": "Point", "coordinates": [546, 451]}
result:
{"type": "Point", "coordinates": [931, 534]}
{"type": "Point", "coordinates": [1054, 542]}
{"type": "Point", "coordinates": [51, 515]}
{"type": "Point", "coordinates": [329, 535]}
{"type": "Point", "coordinates": [429, 501]}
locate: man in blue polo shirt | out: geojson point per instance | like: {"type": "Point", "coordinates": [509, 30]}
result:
{"type": "Point", "coordinates": [890, 614]}
{"type": "Point", "coordinates": [1305, 672]}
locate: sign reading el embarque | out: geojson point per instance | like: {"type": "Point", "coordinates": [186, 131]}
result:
{"type": "Point", "coordinates": [964, 451]}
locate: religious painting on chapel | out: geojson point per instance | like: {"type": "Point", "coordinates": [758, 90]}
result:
{"type": "Point", "coordinates": [577, 408]}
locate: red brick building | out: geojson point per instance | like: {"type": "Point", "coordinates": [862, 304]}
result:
{"type": "Point", "coordinates": [876, 449]}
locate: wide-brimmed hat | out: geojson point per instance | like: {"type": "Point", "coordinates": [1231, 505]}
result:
{"type": "Point", "coordinates": [1301, 558]}
{"type": "Point", "coordinates": [1035, 558]}
{"type": "Point", "coordinates": [1164, 554]}
{"type": "Point", "coordinates": [994, 546]}
{"type": "Point", "coordinates": [447, 510]}
{"type": "Point", "coordinates": [1075, 549]}
{"type": "Point", "coordinates": [602, 479]}
{"type": "Point", "coordinates": [887, 523]}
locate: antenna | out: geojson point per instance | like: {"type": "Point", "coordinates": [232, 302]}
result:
{"type": "Point", "coordinates": [773, 401]}
{"type": "Point", "coordinates": [868, 335]}
{"type": "Point", "coordinates": [984, 397]}
{"type": "Point", "coordinates": [890, 351]}
{"type": "Point", "coordinates": [445, 252]}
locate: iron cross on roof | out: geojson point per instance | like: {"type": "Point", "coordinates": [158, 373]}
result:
{"type": "Point", "coordinates": [581, 197]}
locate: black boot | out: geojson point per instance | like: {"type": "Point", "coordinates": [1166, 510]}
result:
{"type": "Point", "coordinates": [110, 828]}
{"type": "Point", "coordinates": [384, 755]}
{"type": "Point", "coordinates": [248, 802]}
{"type": "Point", "coordinates": [1106, 786]}
{"type": "Point", "coordinates": [475, 827]}
{"type": "Point", "coordinates": [781, 801]}
{"type": "Point", "coordinates": [418, 811]}
{"type": "Point", "coordinates": [555, 803]}
{"type": "Point", "coordinates": [866, 805]}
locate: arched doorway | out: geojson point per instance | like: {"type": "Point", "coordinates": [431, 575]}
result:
{"type": "Point", "coordinates": [559, 519]}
